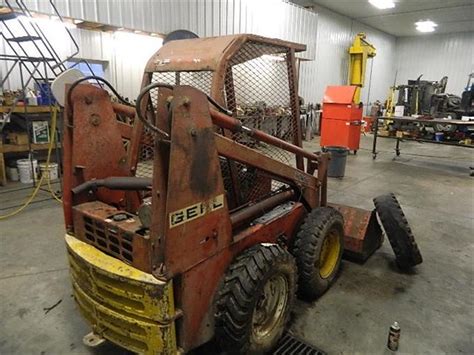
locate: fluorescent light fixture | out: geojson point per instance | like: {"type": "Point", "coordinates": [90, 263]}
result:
{"type": "Point", "coordinates": [154, 34]}
{"type": "Point", "coordinates": [77, 22]}
{"type": "Point", "coordinates": [382, 4]}
{"type": "Point", "coordinates": [120, 29]}
{"type": "Point", "coordinates": [425, 26]}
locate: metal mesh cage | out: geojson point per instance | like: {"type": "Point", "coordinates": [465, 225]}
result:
{"type": "Point", "coordinates": [146, 153]}
{"type": "Point", "coordinates": [258, 91]}
{"type": "Point", "coordinates": [199, 79]}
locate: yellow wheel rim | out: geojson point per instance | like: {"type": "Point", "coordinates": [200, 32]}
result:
{"type": "Point", "coordinates": [329, 255]}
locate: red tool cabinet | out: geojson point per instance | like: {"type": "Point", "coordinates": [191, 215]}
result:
{"type": "Point", "coordinates": [341, 118]}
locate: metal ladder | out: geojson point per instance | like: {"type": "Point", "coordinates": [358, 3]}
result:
{"type": "Point", "coordinates": [31, 52]}
{"type": "Point", "coordinates": [32, 57]}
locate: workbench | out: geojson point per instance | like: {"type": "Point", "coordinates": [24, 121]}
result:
{"type": "Point", "coordinates": [19, 148]}
{"type": "Point", "coordinates": [422, 121]}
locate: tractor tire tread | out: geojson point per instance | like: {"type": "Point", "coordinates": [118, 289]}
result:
{"type": "Point", "coordinates": [236, 298]}
{"type": "Point", "coordinates": [398, 231]}
{"type": "Point", "coordinates": [307, 240]}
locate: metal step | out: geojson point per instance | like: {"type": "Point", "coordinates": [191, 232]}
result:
{"type": "Point", "coordinates": [23, 39]}
{"type": "Point", "coordinates": [291, 345]}
{"type": "Point", "coordinates": [25, 58]}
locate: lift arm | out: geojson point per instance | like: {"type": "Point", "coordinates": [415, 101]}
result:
{"type": "Point", "coordinates": [359, 52]}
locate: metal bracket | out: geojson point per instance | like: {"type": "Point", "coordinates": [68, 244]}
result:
{"type": "Point", "coordinates": [92, 340]}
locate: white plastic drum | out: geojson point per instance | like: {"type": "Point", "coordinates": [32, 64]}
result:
{"type": "Point", "coordinates": [26, 169]}
{"type": "Point", "coordinates": [50, 171]}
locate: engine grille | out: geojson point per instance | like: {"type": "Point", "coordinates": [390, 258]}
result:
{"type": "Point", "coordinates": [109, 238]}
{"type": "Point", "coordinates": [114, 232]}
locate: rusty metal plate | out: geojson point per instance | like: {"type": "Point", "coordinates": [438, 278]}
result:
{"type": "Point", "coordinates": [362, 232]}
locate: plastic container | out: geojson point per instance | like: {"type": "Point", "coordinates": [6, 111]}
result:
{"type": "Point", "coordinates": [31, 98]}
{"type": "Point", "coordinates": [439, 136]}
{"type": "Point", "coordinates": [45, 96]}
{"type": "Point", "coordinates": [50, 171]}
{"type": "Point", "coordinates": [12, 173]}
{"type": "Point", "coordinates": [337, 163]}
{"type": "Point", "coordinates": [25, 170]}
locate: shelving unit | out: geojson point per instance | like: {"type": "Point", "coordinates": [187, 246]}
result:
{"type": "Point", "coordinates": [28, 113]}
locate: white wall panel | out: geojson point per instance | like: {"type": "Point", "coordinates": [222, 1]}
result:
{"type": "Point", "coordinates": [130, 53]}
{"type": "Point", "coordinates": [124, 54]}
{"type": "Point", "coordinates": [272, 18]}
{"type": "Point", "coordinates": [435, 56]}
{"type": "Point", "coordinates": [335, 35]}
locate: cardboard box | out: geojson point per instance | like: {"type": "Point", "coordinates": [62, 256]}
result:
{"type": "Point", "coordinates": [17, 138]}
{"type": "Point", "coordinates": [399, 111]}
{"type": "Point", "coordinates": [40, 131]}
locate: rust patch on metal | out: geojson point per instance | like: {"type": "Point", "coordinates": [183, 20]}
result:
{"type": "Point", "coordinates": [362, 232]}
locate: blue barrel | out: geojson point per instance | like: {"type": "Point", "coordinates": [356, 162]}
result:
{"type": "Point", "coordinates": [44, 89]}
{"type": "Point", "coordinates": [337, 163]}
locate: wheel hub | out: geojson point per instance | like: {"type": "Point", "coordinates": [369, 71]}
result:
{"type": "Point", "coordinates": [270, 306]}
{"type": "Point", "coordinates": [329, 254]}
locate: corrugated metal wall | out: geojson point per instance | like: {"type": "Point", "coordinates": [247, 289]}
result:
{"type": "Point", "coordinates": [327, 35]}
{"type": "Point", "coordinates": [123, 54]}
{"type": "Point", "coordinates": [435, 56]}
{"type": "Point", "coordinates": [335, 35]}
{"type": "Point", "coordinates": [272, 18]}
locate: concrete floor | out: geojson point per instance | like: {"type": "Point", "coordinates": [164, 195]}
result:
{"type": "Point", "coordinates": [433, 304]}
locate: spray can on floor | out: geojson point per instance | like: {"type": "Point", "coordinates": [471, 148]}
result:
{"type": "Point", "coordinates": [393, 337]}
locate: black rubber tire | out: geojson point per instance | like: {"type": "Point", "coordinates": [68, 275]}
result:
{"type": "Point", "coordinates": [307, 248]}
{"type": "Point", "coordinates": [398, 231]}
{"type": "Point", "coordinates": [240, 291]}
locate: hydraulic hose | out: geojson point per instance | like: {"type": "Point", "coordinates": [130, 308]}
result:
{"type": "Point", "coordinates": [97, 78]}
{"type": "Point", "coordinates": [35, 191]}
{"type": "Point", "coordinates": [151, 86]}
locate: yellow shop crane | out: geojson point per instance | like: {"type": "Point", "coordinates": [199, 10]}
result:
{"type": "Point", "coordinates": [358, 54]}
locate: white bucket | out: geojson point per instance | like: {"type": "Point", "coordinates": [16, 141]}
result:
{"type": "Point", "coordinates": [51, 170]}
{"type": "Point", "coordinates": [24, 169]}
{"type": "Point", "coordinates": [12, 173]}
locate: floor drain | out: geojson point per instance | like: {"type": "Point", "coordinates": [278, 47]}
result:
{"type": "Point", "coordinates": [289, 344]}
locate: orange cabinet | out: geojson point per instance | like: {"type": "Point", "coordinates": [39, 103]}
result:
{"type": "Point", "coordinates": [341, 118]}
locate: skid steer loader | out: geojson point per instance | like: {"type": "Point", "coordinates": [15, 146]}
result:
{"type": "Point", "coordinates": [194, 215]}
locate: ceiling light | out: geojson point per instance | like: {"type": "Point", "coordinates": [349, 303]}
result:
{"type": "Point", "coordinates": [425, 26]}
{"type": "Point", "coordinates": [383, 4]}
{"type": "Point", "coordinates": [78, 21]}
{"type": "Point", "coordinates": [154, 34]}
{"type": "Point", "coordinates": [120, 29]}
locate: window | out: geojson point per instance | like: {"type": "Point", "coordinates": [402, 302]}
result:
{"type": "Point", "coordinates": [86, 67]}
